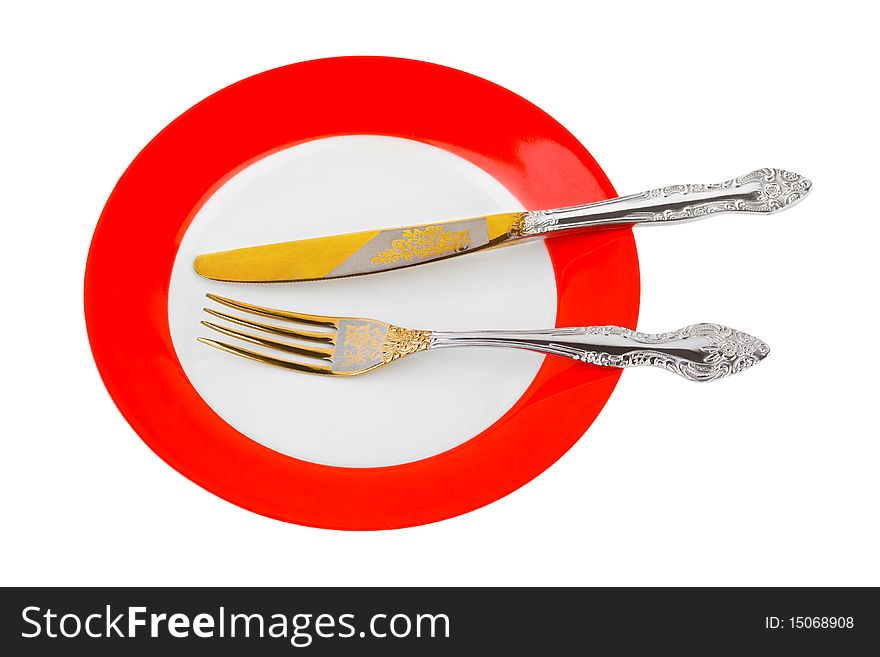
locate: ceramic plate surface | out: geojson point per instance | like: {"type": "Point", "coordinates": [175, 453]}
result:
{"type": "Point", "coordinates": [418, 408]}
{"type": "Point", "coordinates": [381, 142]}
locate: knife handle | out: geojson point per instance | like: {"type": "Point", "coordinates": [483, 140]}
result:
{"type": "Point", "coordinates": [763, 191]}
{"type": "Point", "coordinates": [699, 352]}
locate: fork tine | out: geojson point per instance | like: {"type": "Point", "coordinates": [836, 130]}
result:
{"type": "Point", "coordinates": [321, 353]}
{"type": "Point", "coordinates": [316, 320]}
{"type": "Point", "coordinates": [314, 336]}
{"type": "Point", "coordinates": [269, 360]}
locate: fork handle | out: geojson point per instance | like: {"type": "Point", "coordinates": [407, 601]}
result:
{"type": "Point", "coordinates": [762, 191]}
{"type": "Point", "coordinates": [699, 352]}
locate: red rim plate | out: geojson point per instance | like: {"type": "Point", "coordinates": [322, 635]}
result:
{"type": "Point", "coordinates": [146, 216]}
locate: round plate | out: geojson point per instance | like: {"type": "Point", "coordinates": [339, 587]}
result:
{"type": "Point", "coordinates": [147, 218]}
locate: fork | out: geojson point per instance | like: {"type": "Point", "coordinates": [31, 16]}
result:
{"type": "Point", "coordinates": [346, 346]}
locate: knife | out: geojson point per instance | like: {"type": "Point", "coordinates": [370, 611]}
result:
{"type": "Point", "coordinates": [764, 191]}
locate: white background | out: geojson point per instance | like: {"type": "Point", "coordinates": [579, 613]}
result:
{"type": "Point", "coordinates": [768, 478]}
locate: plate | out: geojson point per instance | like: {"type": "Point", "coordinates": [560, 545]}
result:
{"type": "Point", "coordinates": [331, 146]}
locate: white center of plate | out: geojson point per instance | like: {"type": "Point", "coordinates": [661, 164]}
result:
{"type": "Point", "coordinates": [414, 408]}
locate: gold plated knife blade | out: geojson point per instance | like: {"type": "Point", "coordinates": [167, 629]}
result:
{"type": "Point", "coordinates": [352, 254]}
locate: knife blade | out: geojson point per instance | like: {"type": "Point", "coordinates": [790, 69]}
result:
{"type": "Point", "coordinates": [764, 191]}
{"type": "Point", "coordinates": [352, 254]}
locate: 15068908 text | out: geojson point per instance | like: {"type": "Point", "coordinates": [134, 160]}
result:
{"type": "Point", "coordinates": [809, 622]}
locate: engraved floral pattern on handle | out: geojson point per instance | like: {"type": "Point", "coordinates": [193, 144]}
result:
{"type": "Point", "coordinates": [764, 191]}
{"type": "Point", "coordinates": [777, 188]}
{"type": "Point", "coordinates": [727, 351]}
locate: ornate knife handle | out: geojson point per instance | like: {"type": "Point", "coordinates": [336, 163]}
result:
{"type": "Point", "coordinates": [765, 191]}
{"type": "Point", "coordinates": [700, 352]}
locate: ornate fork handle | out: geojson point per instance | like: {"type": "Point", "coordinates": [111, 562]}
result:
{"type": "Point", "coordinates": [699, 352]}
{"type": "Point", "coordinates": [764, 191]}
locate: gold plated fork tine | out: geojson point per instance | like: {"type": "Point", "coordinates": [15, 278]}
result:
{"type": "Point", "coordinates": [313, 336]}
{"type": "Point", "coordinates": [357, 346]}
{"type": "Point", "coordinates": [316, 320]}
{"type": "Point", "coordinates": [321, 353]}
{"type": "Point", "coordinates": [269, 360]}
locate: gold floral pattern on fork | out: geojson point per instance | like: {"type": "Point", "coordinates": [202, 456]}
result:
{"type": "Point", "coordinates": [401, 342]}
{"type": "Point", "coordinates": [362, 343]}
{"type": "Point", "coordinates": [369, 342]}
